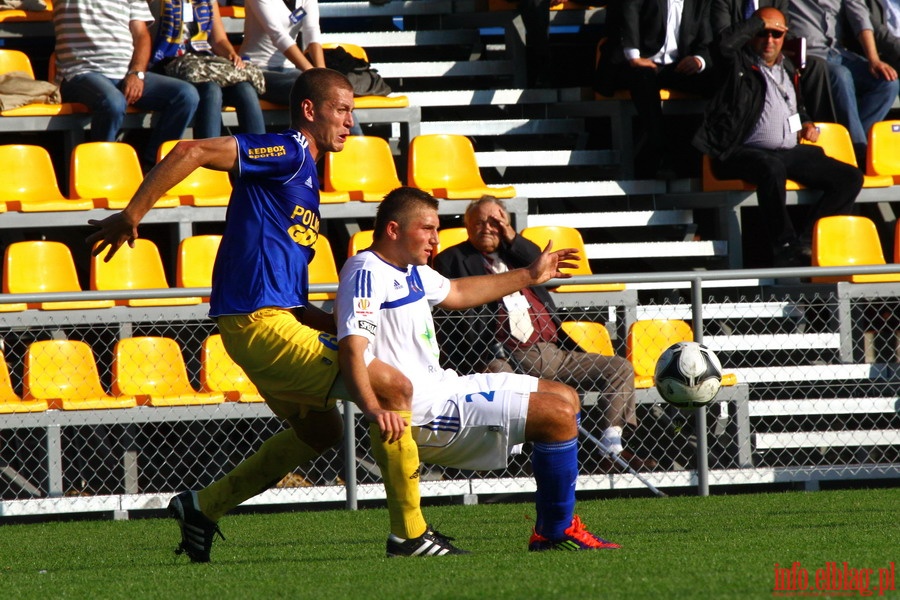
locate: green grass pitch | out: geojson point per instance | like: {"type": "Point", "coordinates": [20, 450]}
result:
{"type": "Point", "coordinates": [678, 547]}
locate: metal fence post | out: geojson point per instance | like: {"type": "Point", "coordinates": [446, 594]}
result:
{"type": "Point", "coordinates": [700, 413]}
{"type": "Point", "coordinates": [350, 454]}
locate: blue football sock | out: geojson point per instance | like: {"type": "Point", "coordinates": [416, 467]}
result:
{"type": "Point", "coordinates": [555, 467]}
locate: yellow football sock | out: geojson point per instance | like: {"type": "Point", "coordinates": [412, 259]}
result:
{"type": "Point", "coordinates": [278, 456]}
{"type": "Point", "coordinates": [399, 464]}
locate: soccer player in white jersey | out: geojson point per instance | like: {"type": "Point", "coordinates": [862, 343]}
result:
{"type": "Point", "coordinates": [383, 312]}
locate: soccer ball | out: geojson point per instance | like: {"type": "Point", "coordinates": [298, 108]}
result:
{"type": "Point", "coordinates": [688, 375]}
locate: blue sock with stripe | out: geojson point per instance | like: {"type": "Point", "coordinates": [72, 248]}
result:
{"type": "Point", "coordinates": [555, 467]}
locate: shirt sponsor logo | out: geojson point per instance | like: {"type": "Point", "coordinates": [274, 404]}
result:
{"type": "Point", "coordinates": [266, 152]}
{"type": "Point", "coordinates": [368, 326]}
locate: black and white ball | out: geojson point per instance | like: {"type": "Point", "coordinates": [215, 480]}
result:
{"type": "Point", "coordinates": [688, 375]}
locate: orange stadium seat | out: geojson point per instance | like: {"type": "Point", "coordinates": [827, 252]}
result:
{"type": "Point", "coordinates": [364, 168]}
{"type": "Point", "coordinates": [14, 61]}
{"type": "Point", "coordinates": [138, 268]}
{"type": "Point", "coordinates": [569, 237]}
{"type": "Point", "coordinates": [196, 257]}
{"type": "Point", "coordinates": [322, 268]}
{"type": "Point", "coordinates": [108, 174]}
{"type": "Point", "coordinates": [847, 240]}
{"type": "Point", "coordinates": [10, 401]}
{"type": "Point", "coordinates": [152, 369]}
{"type": "Point", "coordinates": [444, 165]}
{"type": "Point", "coordinates": [64, 374]}
{"type": "Point", "coordinates": [35, 267]}
{"type": "Point", "coordinates": [203, 187]}
{"type": "Point", "coordinates": [219, 373]}
{"type": "Point", "coordinates": [590, 336]}
{"type": "Point", "coordinates": [29, 182]}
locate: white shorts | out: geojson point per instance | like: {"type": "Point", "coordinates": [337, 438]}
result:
{"type": "Point", "coordinates": [480, 424]}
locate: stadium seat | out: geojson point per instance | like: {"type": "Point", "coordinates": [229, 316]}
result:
{"type": "Point", "coordinates": [359, 241]}
{"type": "Point", "coordinates": [847, 240]}
{"type": "Point", "coordinates": [16, 61]}
{"type": "Point", "coordinates": [10, 401]}
{"type": "Point", "coordinates": [897, 242]}
{"type": "Point", "coordinates": [108, 174]}
{"type": "Point", "coordinates": [196, 257]}
{"type": "Point", "coordinates": [444, 165]}
{"type": "Point", "coordinates": [711, 183]}
{"type": "Point", "coordinates": [64, 374]}
{"type": "Point", "coordinates": [883, 156]}
{"type": "Point", "coordinates": [326, 197]}
{"type": "Point", "coordinates": [397, 101]}
{"type": "Point", "coordinates": [590, 336]}
{"type": "Point", "coordinates": [29, 182]}
{"type": "Point", "coordinates": [648, 339]}
{"type": "Point", "coordinates": [152, 370]}
{"type": "Point", "coordinates": [138, 268]}
{"type": "Point", "coordinates": [835, 140]}
{"type": "Point", "coordinates": [322, 268]}
{"type": "Point", "coordinates": [37, 267]}
{"type": "Point", "coordinates": [203, 187]}
{"type": "Point", "coordinates": [451, 237]}
{"type": "Point", "coordinates": [569, 237]}
{"type": "Point", "coordinates": [364, 168]}
{"type": "Point", "coordinates": [219, 373]}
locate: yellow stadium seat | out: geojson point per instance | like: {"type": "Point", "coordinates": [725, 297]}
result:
{"type": "Point", "coordinates": [444, 165]}
{"type": "Point", "coordinates": [847, 240]}
{"type": "Point", "coordinates": [835, 140]}
{"type": "Point", "coordinates": [326, 197]}
{"type": "Point", "coordinates": [14, 61]}
{"type": "Point", "coordinates": [203, 187]}
{"type": "Point", "coordinates": [397, 101]}
{"type": "Point", "coordinates": [897, 242]}
{"type": "Point", "coordinates": [648, 339]}
{"type": "Point", "coordinates": [138, 268]}
{"type": "Point", "coordinates": [590, 336]}
{"type": "Point", "coordinates": [569, 237]}
{"type": "Point", "coordinates": [364, 168]}
{"type": "Point", "coordinates": [196, 257]}
{"type": "Point", "coordinates": [29, 182]}
{"type": "Point", "coordinates": [322, 268]}
{"type": "Point", "coordinates": [10, 401]}
{"type": "Point", "coordinates": [451, 237]}
{"type": "Point", "coordinates": [64, 374]}
{"type": "Point", "coordinates": [108, 174]}
{"type": "Point", "coordinates": [359, 241]}
{"type": "Point", "coordinates": [152, 370]}
{"type": "Point", "coordinates": [711, 183]}
{"type": "Point", "coordinates": [883, 156]}
{"type": "Point", "coordinates": [37, 267]}
{"type": "Point", "coordinates": [219, 373]}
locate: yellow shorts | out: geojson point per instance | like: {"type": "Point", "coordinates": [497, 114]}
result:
{"type": "Point", "coordinates": [292, 365]}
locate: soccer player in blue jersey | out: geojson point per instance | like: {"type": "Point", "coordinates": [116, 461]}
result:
{"type": "Point", "coordinates": [259, 301]}
{"type": "Point", "coordinates": [383, 312]}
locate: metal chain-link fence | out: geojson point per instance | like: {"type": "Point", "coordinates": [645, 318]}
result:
{"type": "Point", "coordinates": [814, 396]}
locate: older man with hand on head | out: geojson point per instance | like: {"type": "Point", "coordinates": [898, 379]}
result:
{"type": "Point", "coordinates": [753, 129]}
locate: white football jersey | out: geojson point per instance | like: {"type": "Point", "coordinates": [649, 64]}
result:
{"type": "Point", "coordinates": [391, 307]}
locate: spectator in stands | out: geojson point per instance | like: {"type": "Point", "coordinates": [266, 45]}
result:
{"type": "Point", "coordinates": [384, 311]}
{"type": "Point", "coordinates": [283, 38]}
{"type": "Point", "coordinates": [542, 71]}
{"type": "Point", "coordinates": [885, 15]}
{"type": "Point", "coordinates": [103, 48]}
{"type": "Point", "coordinates": [753, 127]}
{"type": "Point", "coordinates": [259, 301]}
{"type": "Point", "coordinates": [194, 29]}
{"type": "Point", "coordinates": [726, 14]}
{"type": "Point", "coordinates": [522, 331]}
{"type": "Point", "coordinates": [863, 87]}
{"type": "Point", "coordinates": [650, 48]}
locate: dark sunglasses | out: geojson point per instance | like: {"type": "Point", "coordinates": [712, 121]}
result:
{"type": "Point", "coordinates": [765, 33]}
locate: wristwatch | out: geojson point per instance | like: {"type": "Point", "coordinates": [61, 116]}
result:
{"type": "Point", "coordinates": [140, 74]}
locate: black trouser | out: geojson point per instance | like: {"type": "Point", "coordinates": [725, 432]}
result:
{"type": "Point", "coordinates": [769, 170]}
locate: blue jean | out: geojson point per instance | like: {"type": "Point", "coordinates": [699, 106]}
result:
{"type": "Point", "coordinates": [860, 100]}
{"type": "Point", "coordinates": [242, 96]}
{"type": "Point", "coordinates": [175, 100]}
{"type": "Point", "coordinates": [278, 90]}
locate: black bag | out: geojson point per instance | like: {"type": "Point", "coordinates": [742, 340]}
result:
{"type": "Point", "coordinates": [365, 80]}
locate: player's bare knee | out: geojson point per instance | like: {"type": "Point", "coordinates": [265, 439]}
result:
{"type": "Point", "coordinates": [566, 392]}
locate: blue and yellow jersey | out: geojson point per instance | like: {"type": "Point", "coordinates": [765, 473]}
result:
{"type": "Point", "coordinates": [271, 226]}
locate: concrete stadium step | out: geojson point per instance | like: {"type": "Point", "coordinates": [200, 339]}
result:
{"type": "Point", "coordinates": [642, 218]}
{"type": "Point", "coordinates": [505, 127]}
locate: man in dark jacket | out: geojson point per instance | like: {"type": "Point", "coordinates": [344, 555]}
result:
{"type": "Point", "coordinates": [654, 45]}
{"type": "Point", "coordinates": [523, 329]}
{"type": "Point", "coordinates": [753, 128]}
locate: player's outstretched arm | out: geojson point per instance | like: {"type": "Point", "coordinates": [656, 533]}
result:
{"type": "Point", "coordinates": [351, 356]}
{"type": "Point", "coordinates": [115, 230]}
{"type": "Point", "coordinates": [476, 290]}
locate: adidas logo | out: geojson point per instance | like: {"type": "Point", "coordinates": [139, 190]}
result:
{"type": "Point", "coordinates": [397, 285]}
{"type": "Point", "coordinates": [309, 182]}
{"type": "Point", "coordinates": [415, 474]}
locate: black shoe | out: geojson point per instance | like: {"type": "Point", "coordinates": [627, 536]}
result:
{"type": "Point", "coordinates": [197, 531]}
{"type": "Point", "coordinates": [792, 255]}
{"type": "Point", "coordinates": [430, 543]}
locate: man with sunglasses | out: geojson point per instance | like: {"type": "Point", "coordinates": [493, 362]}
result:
{"type": "Point", "coordinates": [753, 128]}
